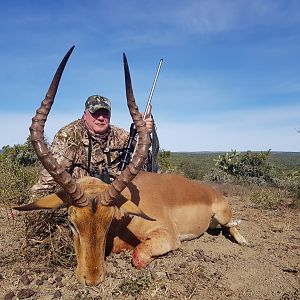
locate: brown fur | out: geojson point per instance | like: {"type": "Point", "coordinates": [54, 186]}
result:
{"type": "Point", "coordinates": [180, 209]}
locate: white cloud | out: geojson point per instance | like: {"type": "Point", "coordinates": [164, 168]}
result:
{"type": "Point", "coordinates": [209, 16]}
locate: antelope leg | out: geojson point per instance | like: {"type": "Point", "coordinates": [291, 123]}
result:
{"type": "Point", "coordinates": [158, 243]}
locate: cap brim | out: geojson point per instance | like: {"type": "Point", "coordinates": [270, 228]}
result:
{"type": "Point", "coordinates": [95, 108]}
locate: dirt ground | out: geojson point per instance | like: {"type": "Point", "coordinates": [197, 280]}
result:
{"type": "Point", "coordinates": [210, 267]}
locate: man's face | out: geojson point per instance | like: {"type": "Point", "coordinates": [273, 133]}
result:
{"type": "Point", "coordinates": [98, 122]}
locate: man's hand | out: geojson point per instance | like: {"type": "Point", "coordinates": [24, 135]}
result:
{"type": "Point", "coordinates": [148, 119]}
{"type": "Point", "coordinates": [149, 124]}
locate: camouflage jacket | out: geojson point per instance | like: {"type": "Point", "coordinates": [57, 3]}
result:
{"type": "Point", "coordinates": [70, 148]}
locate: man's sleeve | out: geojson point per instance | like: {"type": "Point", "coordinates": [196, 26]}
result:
{"type": "Point", "coordinates": [63, 151]}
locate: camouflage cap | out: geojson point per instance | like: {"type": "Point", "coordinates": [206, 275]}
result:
{"type": "Point", "coordinates": [93, 103]}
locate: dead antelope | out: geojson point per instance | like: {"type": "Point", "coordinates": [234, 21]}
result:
{"type": "Point", "coordinates": [150, 213]}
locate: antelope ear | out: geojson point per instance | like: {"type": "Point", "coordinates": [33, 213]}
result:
{"type": "Point", "coordinates": [47, 202]}
{"type": "Point", "coordinates": [129, 208]}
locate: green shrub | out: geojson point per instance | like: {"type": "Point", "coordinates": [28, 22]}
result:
{"type": "Point", "coordinates": [219, 176]}
{"type": "Point", "coordinates": [252, 167]}
{"type": "Point", "coordinates": [133, 286]}
{"type": "Point", "coordinates": [256, 165]}
{"type": "Point", "coordinates": [266, 198]}
{"type": "Point", "coordinates": [291, 182]}
{"type": "Point", "coordinates": [164, 161]}
{"type": "Point", "coordinates": [21, 154]}
{"type": "Point", "coordinates": [190, 170]}
{"type": "Point", "coordinates": [296, 203]}
{"type": "Point", "coordinates": [16, 181]}
{"type": "Point", "coordinates": [229, 162]}
{"type": "Point", "coordinates": [19, 170]}
{"type": "Point", "coordinates": [193, 165]}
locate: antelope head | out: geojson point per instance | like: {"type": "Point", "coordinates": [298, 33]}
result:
{"type": "Point", "coordinates": [90, 202]}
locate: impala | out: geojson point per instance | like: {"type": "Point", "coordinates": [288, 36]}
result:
{"type": "Point", "coordinates": [147, 212]}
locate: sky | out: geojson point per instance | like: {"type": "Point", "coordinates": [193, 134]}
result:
{"type": "Point", "coordinates": [230, 79]}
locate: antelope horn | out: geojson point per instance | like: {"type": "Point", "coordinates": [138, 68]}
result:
{"type": "Point", "coordinates": [59, 174]}
{"type": "Point", "coordinates": [141, 153]}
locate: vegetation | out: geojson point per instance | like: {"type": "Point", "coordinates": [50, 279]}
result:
{"type": "Point", "coordinates": [253, 167]}
{"type": "Point", "coordinates": [49, 237]}
{"type": "Point", "coordinates": [23, 154]}
{"type": "Point", "coordinates": [193, 165]}
{"type": "Point", "coordinates": [133, 286]}
{"type": "Point", "coordinates": [266, 198]}
{"type": "Point", "coordinates": [18, 172]}
{"type": "Point", "coordinates": [272, 177]}
{"type": "Point", "coordinates": [164, 161]}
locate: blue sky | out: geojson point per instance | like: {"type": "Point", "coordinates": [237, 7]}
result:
{"type": "Point", "coordinates": [230, 77]}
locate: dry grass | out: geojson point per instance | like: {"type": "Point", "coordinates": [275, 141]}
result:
{"type": "Point", "coordinates": [49, 236]}
{"type": "Point", "coordinates": [15, 182]}
{"type": "Point", "coordinates": [133, 286]}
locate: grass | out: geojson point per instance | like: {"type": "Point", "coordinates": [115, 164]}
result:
{"type": "Point", "coordinates": [48, 232]}
{"type": "Point", "coordinates": [134, 286]}
{"type": "Point", "coordinates": [15, 182]}
{"type": "Point", "coordinates": [194, 164]}
{"type": "Point", "coordinates": [266, 198]}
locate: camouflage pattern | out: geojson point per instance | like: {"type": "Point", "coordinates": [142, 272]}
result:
{"type": "Point", "coordinates": [93, 103]}
{"type": "Point", "coordinates": [70, 148]}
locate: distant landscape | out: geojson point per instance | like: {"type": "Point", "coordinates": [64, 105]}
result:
{"type": "Point", "coordinates": [205, 160]}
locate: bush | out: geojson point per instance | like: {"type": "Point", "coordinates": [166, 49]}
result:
{"type": "Point", "coordinates": [48, 236]}
{"type": "Point", "coordinates": [19, 171]}
{"type": "Point", "coordinates": [164, 161]}
{"type": "Point", "coordinates": [291, 182]}
{"type": "Point", "coordinates": [21, 154]}
{"type": "Point", "coordinates": [229, 162]}
{"type": "Point", "coordinates": [193, 165]}
{"type": "Point", "coordinates": [219, 176]}
{"type": "Point", "coordinates": [16, 181]}
{"type": "Point", "coordinates": [133, 286]}
{"type": "Point", "coordinates": [190, 170]}
{"type": "Point", "coordinates": [252, 167]}
{"type": "Point", "coordinates": [266, 198]}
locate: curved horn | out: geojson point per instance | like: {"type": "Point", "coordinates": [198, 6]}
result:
{"type": "Point", "coordinates": [59, 174]}
{"type": "Point", "coordinates": [141, 153]}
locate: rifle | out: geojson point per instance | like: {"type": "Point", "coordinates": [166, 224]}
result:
{"type": "Point", "coordinates": [126, 155]}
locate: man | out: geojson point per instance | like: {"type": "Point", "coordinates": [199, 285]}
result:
{"type": "Point", "coordinates": [88, 146]}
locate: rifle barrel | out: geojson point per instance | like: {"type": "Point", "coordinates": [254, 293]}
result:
{"type": "Point", "coordinates": [152, 89]}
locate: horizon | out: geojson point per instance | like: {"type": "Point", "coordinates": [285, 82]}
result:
{"type": "Point", "coordinates": [201, 152]}
{"type": "Point", "coordinates": [230, 77]}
